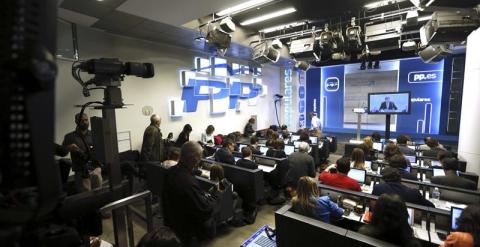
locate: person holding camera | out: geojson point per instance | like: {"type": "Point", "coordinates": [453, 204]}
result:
{"type": "Point", "coordinates": [88, 171]}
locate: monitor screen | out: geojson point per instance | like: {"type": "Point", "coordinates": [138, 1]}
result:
{"type": "Point", "coordinates": [314, 139]}
{"type": "Point", "coordinates": [294, 138]}
{"type": "Point", "coordinates": [438, 172]}
{"type": "Point", "coordinates": [378, 146]}
{"type": "Point", "coordinates": [435, 163]}
{"type": "Point", "coordinates": [236, 158]}
{"type": "Point", "coordinates": [296, 144]}
{"type": "Point", "coordinates": [412, 159]}
{"type": "Point", "coordinates": [289, 149]}
{"type": "Point", "coordinates": [456, 212]}
{"type": "Point", "coordinates": [358, 175]}
{"type": "Point", "coordinates": [263, 150]}
{"type": "Point", "coordinates": [389, 103]}
{"type": "Point", "coordinates": [411, 216]}
{"type": "Point", "coordinates": [241, 146]}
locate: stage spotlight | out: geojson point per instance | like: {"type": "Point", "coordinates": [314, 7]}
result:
{"type": "Point", "coordinates": [369, 64]}
{"type": "Point", "coordinates": [263, 53]}
{"type": "Point", "coordinates": [376, 65]}
{"type": "Point", "coordinates": [277, 44]}
{"type": "Point", "coordinates": [219, 39]}
{"type": "Point", "coordinates": [227, 25]}
{"type": "Point", "coordinates": [409, 45]}
{"type": "Point", "coordinates": [434, 53]}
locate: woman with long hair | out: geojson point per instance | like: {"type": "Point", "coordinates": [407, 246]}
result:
{"type": "Point", "coordinates": [184, 136]}
{"type": "Point", "coordinates": [358, 159]}
{"type": "Point", "coordinates": [467, 233]}
{"type": "Point", "coordinates": [390, 222]}
{"type": "Point", "coordinates": [308, 202]}
{"type": "Point", "coordinates": [207, 136]}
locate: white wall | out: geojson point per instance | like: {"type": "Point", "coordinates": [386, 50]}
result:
{"type": "Point", "coordinates": [154, 92]}
{"type": "Point", "coordinates": [468, 145]}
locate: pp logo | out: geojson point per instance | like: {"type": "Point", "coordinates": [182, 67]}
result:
{"type": "Point", "coordinates": [425, 76]}
{"type": "Point", "coordinates": [332, 84]}
{"type": "Point", "coordinates": [301, 106]}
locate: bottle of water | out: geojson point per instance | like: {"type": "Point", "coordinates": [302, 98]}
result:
{"type": "Point", "coordinates": [436, 194]}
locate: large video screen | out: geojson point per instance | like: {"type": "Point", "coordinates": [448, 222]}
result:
{"type": "Point", "coordinates": [389, 103]}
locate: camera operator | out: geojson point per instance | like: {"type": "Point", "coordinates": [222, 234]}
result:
{"type": "Point", "coordinates": [88, 172]}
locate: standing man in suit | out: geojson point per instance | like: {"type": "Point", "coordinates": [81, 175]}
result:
{"type": "Point", "coordinates": [152, 146]}
{"type": "Point", "coordinates": [388, 105]}
{"type": "Point", "coordinates": [315, 123]}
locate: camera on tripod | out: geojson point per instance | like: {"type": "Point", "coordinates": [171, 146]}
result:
{"type": "Point", "coordinates": [109, 72]}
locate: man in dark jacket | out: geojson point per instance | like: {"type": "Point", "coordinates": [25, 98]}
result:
{"type": "Point", "coordinates": [450, 166]}
{"type": "Point", "coordinates": [399, 162]}
{"type": "Point", "coordinates": [152, 146]}
{"type": "Point", "coordinates": [88, 173]}
{"type": "Point", "coordinates": [246, 161]}
{"type": "Point", "coordinates": [224, 154]}
{"type": "Point", "coordinates": [392, 185]}
{"type": "Point", "coordinates": [188, 209]}
{"type": "Point", "coordinates": [301, 164]}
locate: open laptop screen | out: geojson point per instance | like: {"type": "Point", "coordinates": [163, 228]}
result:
{"type": "Point", "coordinates": [456, 212]}
{"type": "Point", "coordinates": [378, 146]}
{"type": "Point", "coordinates": [289, 149]}
{"type": "Point", "coordinates": [358, 174]}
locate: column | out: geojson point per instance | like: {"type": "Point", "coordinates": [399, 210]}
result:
{"type": "Point", "coordinates": [469, 137]}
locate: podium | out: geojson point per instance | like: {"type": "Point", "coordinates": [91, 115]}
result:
{"type": "Point", "coordinates": [359, 112]}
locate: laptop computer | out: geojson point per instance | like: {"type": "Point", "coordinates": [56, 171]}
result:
{"type": "Point", "coordinates": [289, 149]}
{"type": "Point", "coordinates": [434, 163]}
{"type": "Point", "coordinates": [378, 146]}
{"type": "Point", "coordinates": [412, 147]}
{"type": "Point", "coordinates": [314, 139]}
{"type": "Point", "coordinates": [294, 138]}
{"type": "Point", "coordinates": [358, 174]}
{"type": "Point", "coordinates": [236, 158]}
{"type": "Point", "coordinates": [438, 172]}
{"type": "Point", "coordinates": [241, 146]}
{"type": "Point", "coordinates": [455, 214]}
{"type": "Point", "coordinates": [411, 158]}
{"type": "Point", "coordinates": [411, 216]}
{"type": "Point", "coordinates": [263, 150]}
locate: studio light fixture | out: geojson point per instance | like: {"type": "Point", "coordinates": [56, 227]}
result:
{"type": "Point", "coordinates": [422, 4]}
{"type": "Point", "coordinates": [268, 16]}
{"type": "Point", "coordinates": [282, 27]}
{"type": "Point", "coordinates": [242, 7]}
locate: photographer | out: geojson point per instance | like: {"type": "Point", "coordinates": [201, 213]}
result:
{"type": "Point", "coordinates": [88, 172]}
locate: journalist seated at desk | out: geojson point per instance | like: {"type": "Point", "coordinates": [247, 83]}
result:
{"type": "Point", "coordinates": [450, 166]}
{"type": "Point", "coordinates": [246, 161]}
{"type": "Point", "coordinates": [301, 164]}
{"type": "Point", "coordinates": [254, 145]}
{"type": "Point", "coordinates": [467, 233]}
{"type": "Point", "coordinates": [399, 162]}
{"type": "Point", "coordinates": [337, 176]}
{"type": "Point", "coordinates": [308, 202]}
{"type": "Point", "coordinates": [402, 145]}
{"type": "Point", "coordinates": [390, 222]}
{"type": "Point", "coordinates": [392, 185]}
{"type": "Point", "coordinates": [188, 210]}
{"type": "Point", "coordinates": [224, 154]}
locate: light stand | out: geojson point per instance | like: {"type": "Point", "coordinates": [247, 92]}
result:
{"type": "Point", "coordinates": [278, 98]}
{"type": "Point", "coordinates": [387, 127]}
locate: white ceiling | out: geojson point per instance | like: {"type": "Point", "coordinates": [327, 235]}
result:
{"type": "Point", "coordinates": [176, 12]}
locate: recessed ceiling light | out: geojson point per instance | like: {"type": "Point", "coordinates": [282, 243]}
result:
{"type": "Point", "coordinates": [268, 16]}
{"type": "Point", "coordinates": [242, 7]}
{"type": "Point", "coordinates": [281, 27]}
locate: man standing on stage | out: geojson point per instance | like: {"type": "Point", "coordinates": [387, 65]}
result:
{"type": "Point", "coordinates": [152, 146]}
{"type": "Point", "coordinates": [315, 124]}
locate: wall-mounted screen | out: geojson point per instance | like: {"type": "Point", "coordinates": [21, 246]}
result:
{"type": "Point", "coordinates": [389, 103]}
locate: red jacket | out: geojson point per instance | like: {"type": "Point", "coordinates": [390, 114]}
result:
{"type": "Point", "coordinates": [339, 180]}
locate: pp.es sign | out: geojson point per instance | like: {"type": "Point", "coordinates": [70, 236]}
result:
{"type": "Point", "coordinates": [425, 76]}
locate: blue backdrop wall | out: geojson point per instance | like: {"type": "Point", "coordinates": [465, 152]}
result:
{"type": "Point", "coordinates": [428, 83]}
